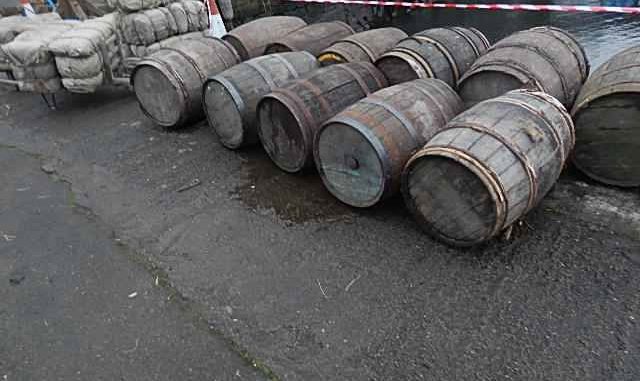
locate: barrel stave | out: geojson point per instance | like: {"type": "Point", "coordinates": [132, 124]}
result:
{"type": "Point", "coordinates": [533, 72]}
{"type": "Point", "coordinates": [231, 98]}
{"type": "Point", "coordinates": [606, 114]}
{"type": "Point", "coordinates": [460, 48]}
{"type": "Point", "coordinates": [361, 152]}
{"type": "Point", "coordinates": [290, 116]}
{"type": "Point", "coordinates": [543, 58]}
{"type": "Point", "coordinates": [251, 39]}
{"type": "Point", "coordinates": [365, 46]}
{"type": "Point", "coordinates": [442, 53]}
{"type": "Point", "coordinates": [182, 69]}
{"type": "Point", "coordinates": [407, 62]}
{"type": "Point", "coordinates": [511, 150]}
{"type": "Point", "coordinates": [313, 38]}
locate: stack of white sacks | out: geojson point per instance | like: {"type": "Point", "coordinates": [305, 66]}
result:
{"type": "Point", "coordinates": [84, 54]}
{"type": "Point", "coordinates": [28, 57]}
{"type": "Point", "coordinates": [147, 23]}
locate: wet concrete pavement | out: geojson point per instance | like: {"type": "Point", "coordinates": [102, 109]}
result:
{"type": "Point", "coordinates": [77, 304]}
{"type": "Point", "coordinates": [315, 290]}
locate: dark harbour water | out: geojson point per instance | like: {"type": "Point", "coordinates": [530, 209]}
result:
{"type": "Point", "coordinates": [601, 34]}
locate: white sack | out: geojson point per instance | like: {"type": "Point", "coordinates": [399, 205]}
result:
{"type": "Point", "coordinates": [81, 67]}
{"type": "Point", "coordinates": [84, 85]}
{"type": "Point", "coordinates": [128, 6]}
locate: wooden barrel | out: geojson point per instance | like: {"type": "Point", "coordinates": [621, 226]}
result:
{"type": "Point", "coordinates": [313, 38]}
{"type": "Point", "coordinates": [364, 46]}
{"type": "Point", "coordinates": [543, 58]}
{"type": "Point", "coordinates": [361, 152]}
{"type": "Point", "coordinates": [250, 39]}
{"type": "Point", "coordinates": [488, 167]}
{"type": "Point", "coordinates": [290, 116]}
{"type": "Point", "coordinates": [168, 83]}
{"type": "Point", "coordinates": [606, 114]}
{"type": "Point", "coordinates": [231, 97]}
{"type": "Point", "coordinates": [442, 53]}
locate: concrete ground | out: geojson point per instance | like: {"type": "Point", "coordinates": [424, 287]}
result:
{"type": "Point", "coordinates": [307, 288]}
{"type": "Point", "coordinates": [79, 305]}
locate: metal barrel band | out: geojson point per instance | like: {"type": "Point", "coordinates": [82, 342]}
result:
{"type": "Point", "coordinates": [488, 177]}
{"type": "Point", "coordinates": [291, 101]}
{"type": "Point", "coordinates": [460, 32]}
{"type": "Point", "coordinates": [584, 70]}
{"type": "Point", "coordinates": [377, 76]}
{"type": "Point", "coordinates": [613, 61]}
{"type": "Point", "coordinates": [586, 67]}
{"type": "Point", "coordinates": [201, 41]}
{"type": "Point", "coordinates": [482, 37]}
{"type": "Point", "coordinates": [603, 91]}
{"type": "Point", "coordinates": [235, 95]}
{"type": "Point", "coordinates": [429, 95]}
{"type": "Point", "coordinates": [516, 66]}
{"type": "Point", "coordinates": [443, 49]}
{"type": "Point", "coordinates": [375, 143]}
{"type": "Point", "coordinates": [358, 78]}
{"type": "Point", "coordinates": [292, 70]}
{"type": "Point", "coordinates": [408, 126]}
{"type": "Point", "coordinates": [191, 61]}
{"type": "Point", "coordinates": [423, 69]}
{"type": "Point", "coordinates": [362, 46]}
{"type": "Point", "coordinates": [554, 64]}
{"type": "Point", "coordinates": [262, 73]}
{"type": "Point", "coordinates": [554, 132]}
{"type": "Point", "coordinates": [181, 84]}
{"type": "Point", "coordinates": [562, 110]}
{"type": "Point", "coordinates": [231, 49]}
{"type": "Point", "coordinates": [524, 160]}
{"type": "Point", "coordinates": [616, 69]}
{"type": "Point", "coordinates": [319, 97]}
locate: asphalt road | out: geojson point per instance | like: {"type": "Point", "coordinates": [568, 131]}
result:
{"type": "Point", "coordinates": [77, 304]}
{"type": "Point", "coordinates": [315, 290]}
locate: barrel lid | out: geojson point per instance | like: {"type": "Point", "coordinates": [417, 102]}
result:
{"type": "Point", "coordinates": [223, 106]}
{"type": "Point", "coordinates": [282, 134]}
{"type": "Point", "coordinates": [159, 93]}
{"type": "Point", "coordinates": [352, 162]}
{"type": "Point", "coordinates": [451, 196]}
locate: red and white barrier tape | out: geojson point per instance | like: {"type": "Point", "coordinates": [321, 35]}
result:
{"type": "Point", "coordinates": [493, 7]}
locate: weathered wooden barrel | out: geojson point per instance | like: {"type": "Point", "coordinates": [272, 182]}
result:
{"type": "Point", "coordinates": [543, 58]}
{"type": "Point", "coordinates": [250, 39]}
{"type": "Point", "coordinates": [231, 97]}
{"type": "Point", "coordinates": [313, 38]}
{"type": "Point", "coordinates": [290, 116]}
{"type": "Point", "coordinates": [488, 167]}
{"type": "Point", "coordinates": [607, 118]}
{"type": "Point", "coordinates": [168, 83]}
{"type": "Point", "coordinates": [442, 53]}
{"type": "Point", "coordinates": [361, 152]}
{"type": "Point", "coordinates": [365, 46]}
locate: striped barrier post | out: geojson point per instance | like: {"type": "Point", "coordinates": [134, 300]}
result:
{"type": "Point", "coordinates": [216, 25]}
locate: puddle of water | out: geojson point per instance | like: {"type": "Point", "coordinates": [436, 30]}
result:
{"type": "Point", "coordinates": [293, 198]}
